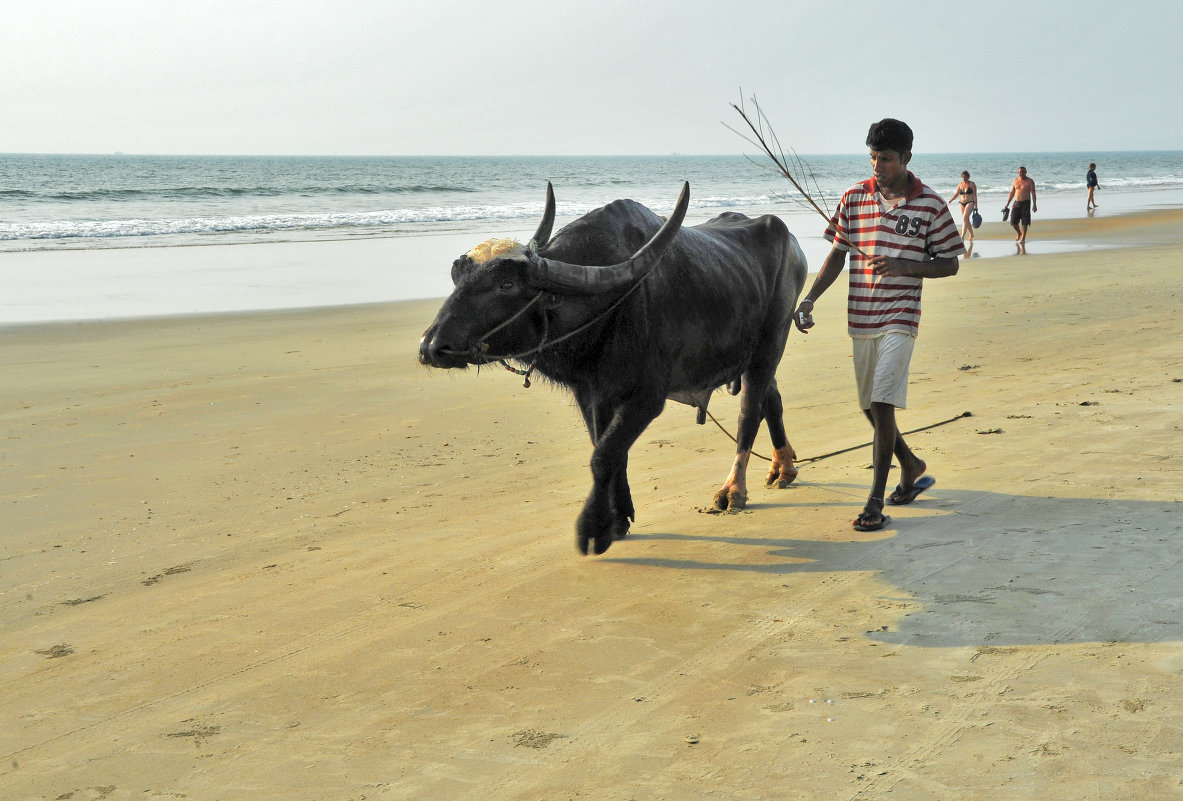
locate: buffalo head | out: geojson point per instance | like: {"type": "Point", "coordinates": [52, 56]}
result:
{"type": "Point", "coordinates": [488, 314]}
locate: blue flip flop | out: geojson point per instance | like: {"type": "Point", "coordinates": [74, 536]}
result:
{"type": "Point", "coordinates": [900, 498]}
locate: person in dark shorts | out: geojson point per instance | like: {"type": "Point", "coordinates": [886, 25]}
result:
{"type": "Point", "coordinates": [1090, 180]}
{"type": "Point", "coordinates": [1022, 191]}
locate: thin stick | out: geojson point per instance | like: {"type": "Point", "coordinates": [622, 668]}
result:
{"type": "Point", "coordinates": [764, 137]}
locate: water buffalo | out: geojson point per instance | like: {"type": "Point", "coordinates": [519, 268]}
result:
{"type": "Point", "coordinates": [677, 312]}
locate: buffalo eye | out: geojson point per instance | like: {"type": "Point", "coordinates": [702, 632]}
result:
{"type": "Point", "coordinates": [508, 285]}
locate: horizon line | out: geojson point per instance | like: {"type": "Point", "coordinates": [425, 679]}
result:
{"type": "Point", "coordinates": [552, 155]}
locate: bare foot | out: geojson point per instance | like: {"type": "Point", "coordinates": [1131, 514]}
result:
{"type": "Point", "coordinates": [871, 521]}
{"type": "Point", "coordinates": [908, 489]}
{"type": "Point", "coordinates": [909, 474]}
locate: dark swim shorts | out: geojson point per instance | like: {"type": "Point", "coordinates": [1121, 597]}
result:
{"type": "Point", "coordinates": [1020, 212]}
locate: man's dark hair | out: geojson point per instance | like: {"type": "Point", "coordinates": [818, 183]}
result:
{"type": "Point", "coordinates": [890, 134]}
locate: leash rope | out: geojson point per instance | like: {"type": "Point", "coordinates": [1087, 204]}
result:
{"type": "Point", "coordinates": [844, 450]}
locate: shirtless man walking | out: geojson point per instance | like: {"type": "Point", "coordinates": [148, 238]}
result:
{"type": "Point", "coordinates": [1023, 193]}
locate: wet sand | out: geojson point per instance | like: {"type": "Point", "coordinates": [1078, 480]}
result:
{"type": "Point", "coordinates": [271, 556]}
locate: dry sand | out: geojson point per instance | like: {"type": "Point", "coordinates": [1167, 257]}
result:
{"type": "Point", "coordinates": [270, 556]}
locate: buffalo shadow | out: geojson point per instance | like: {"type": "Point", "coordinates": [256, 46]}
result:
{"type": "Point", "coordinates": [1075, 569]}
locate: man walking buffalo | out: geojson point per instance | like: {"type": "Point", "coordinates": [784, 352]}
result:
{"type": "Point", "coordinates": [898, 232]}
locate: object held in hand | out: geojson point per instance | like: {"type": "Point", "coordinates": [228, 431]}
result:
{"type": "Point", "coordinates": [1005, 212]}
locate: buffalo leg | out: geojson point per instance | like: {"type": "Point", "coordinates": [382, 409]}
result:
{"type": "Point", "coordinates": [588, 410]}
{"type": "Point", "coordinates": [733, 495]}
{"type": "Point", "coordinates": [622, 501]}
{"type": "Point", "coordinates": [782, 471]}
{"type": "Point", "coordinates": [597, 417]}
{"type": "Point", "coordinates": [601, 519]}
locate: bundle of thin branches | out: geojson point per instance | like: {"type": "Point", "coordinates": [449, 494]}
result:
{"type": "Point", "coordinates": [764, 137]}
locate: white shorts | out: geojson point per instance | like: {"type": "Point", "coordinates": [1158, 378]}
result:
{"type": "Point", "coordinates": [881, 368]}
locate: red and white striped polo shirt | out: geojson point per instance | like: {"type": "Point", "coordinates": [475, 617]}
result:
{"type": "Point", "coordinates": [919, 228]}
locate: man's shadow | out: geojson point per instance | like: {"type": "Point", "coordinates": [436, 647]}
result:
{"type": "Point", "coordinates": [993, 569]}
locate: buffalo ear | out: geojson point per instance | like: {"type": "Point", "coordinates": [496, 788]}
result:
{"type": "Point", "coordinates": [461, 267]}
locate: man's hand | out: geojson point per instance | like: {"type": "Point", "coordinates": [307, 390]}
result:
{"type": "Point", "coordinates": [887, 265]}
{"type": "Point", "coordinates": [803, 317]}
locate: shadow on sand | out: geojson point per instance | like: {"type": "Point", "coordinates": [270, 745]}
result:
{"type": "Point", "coordinates": [1073, 569]}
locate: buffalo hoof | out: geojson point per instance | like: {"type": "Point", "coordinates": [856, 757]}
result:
{"type": "Point", "coordinates": [601, 542]}
{"type": "Point", "coordinates": [730, 499]}
{"type": "Point", "coordinates": [781, 479]}
{"type": "Point", "coordinates": [598, 544]}
{"type": "Point", "coordinates": [782, 472]}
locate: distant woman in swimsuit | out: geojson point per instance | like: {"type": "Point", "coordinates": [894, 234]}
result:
{"type": "Point", "coordinates": [967, 196]}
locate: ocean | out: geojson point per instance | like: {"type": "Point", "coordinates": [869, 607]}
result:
{"type": "Point", "coordinates": [100, 202]}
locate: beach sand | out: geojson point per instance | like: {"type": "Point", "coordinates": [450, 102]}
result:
{"type": "Point", "coordinates": [270, 556]}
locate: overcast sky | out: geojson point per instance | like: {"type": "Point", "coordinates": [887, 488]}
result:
{"type": "Point", "coordinates": [543, 77]}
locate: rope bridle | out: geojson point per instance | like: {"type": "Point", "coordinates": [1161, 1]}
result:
{"type": "Point", "coordinates": [541, 344]}
{"type": "Point", "coordinates": [480, 350]}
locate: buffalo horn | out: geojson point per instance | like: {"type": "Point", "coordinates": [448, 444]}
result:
{"type": "Point", "coordinates": [542, 235]}
{"type": "Point", "coordinates": [580, 279]}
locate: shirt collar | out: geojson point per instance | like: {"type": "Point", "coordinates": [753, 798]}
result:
{"type": "Point", "coordinates": [911, 193]}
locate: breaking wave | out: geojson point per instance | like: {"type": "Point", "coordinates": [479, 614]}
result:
{"type": "Point", "coordinates": [424, 217]}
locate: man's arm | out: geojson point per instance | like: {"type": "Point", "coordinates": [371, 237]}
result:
{"type": "Point", "coordinates": [1034, 205]}
{"type": "Point", "coordinates": [1013, 187]}
{"type": "Point", "coordinates": [934, 268]}
{"type": "Point", "coordinates": [827, 275]}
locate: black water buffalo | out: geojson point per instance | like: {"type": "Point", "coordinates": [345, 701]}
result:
{"type": "Point", "coordinates": [676, 313]}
